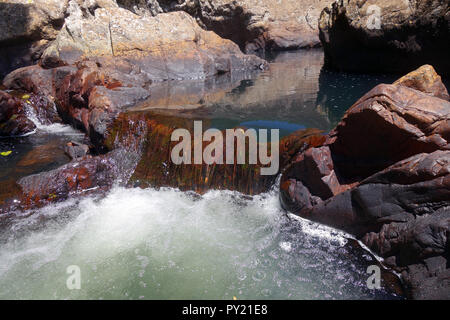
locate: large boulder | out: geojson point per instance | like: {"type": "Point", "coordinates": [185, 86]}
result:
{"type": "Point", "coordinates": [28, 27]}
{"type": "Point", "coordinates": [252, 24]}
{"type": "Point", "coordinates": [393, 36]}
{"type": "Point", "coordinates": [383, 175]}
{"type": "Point", "coordinates": [166, 47]}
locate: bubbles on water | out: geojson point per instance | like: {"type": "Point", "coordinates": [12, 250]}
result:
{"type": "Point", "coordinates": [286, 246]}
{"type": "Point", "coordinates": [167, 244]}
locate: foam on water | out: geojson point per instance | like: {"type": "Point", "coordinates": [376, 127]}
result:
{"type": "Point", "coordinates": [167, 244]}
{"type": "Point", "coordinates": [53, 128]}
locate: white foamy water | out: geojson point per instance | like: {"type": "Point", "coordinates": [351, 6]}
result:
{"type": "Point", "coordinates": [167, 244]}
{"type": "Point", "coordinates": [53, 128]}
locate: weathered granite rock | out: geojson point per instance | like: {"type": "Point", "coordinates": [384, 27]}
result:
{"type": "Point", "coordinates": [168, 46]}
{"type": "Point", "coordinates": [386, 36]}
{"type": "Point", "coordinates": [428, 279]}
{"type": "Point", "coordinates": [104, 60]}
{"type": "Point", "coordinates": [29, 26]}
{"type": "Point", "coordinates": [383, 175]}
{"type": "Point", "coordinates": [416, 186]}
{"type": "Point", "coordinates": [253, 24]}
{"type": "Point", "coordinates": [13, 118]}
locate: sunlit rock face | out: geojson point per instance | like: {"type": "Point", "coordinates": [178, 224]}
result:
{"type": "Point", "coordinates": [386, 36]}
{"type": "Point", "coordinates": [254, 25]}
{"type": "Point", "coordinates": [169, 46]}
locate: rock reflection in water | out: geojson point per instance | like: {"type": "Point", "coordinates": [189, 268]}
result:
{"type": "Point", "coordinates": [295, 92]}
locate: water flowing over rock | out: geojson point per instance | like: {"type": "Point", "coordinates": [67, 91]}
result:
{"type": "Point", "coordinates": [13, 118]}
{"type": "Point", "coordinates": [386, 36]}
{"type": "Point", "coordinates": [104, 60]}
{"type": "Point", "coordinates": [383, 174]}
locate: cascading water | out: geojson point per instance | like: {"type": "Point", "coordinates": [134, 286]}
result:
{"type": "Point", "coordinates": [166, 244]}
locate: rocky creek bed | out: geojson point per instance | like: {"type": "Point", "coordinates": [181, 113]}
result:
{"type": "Point", "coordinates": [87, 176]}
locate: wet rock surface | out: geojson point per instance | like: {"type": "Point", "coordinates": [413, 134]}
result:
{"type": "Point", "coordinates": [382, 174]}
{"type": "Point", "coordinates": [386, 36]}
{"type": "Point", "coordinates": [386, 182]}
{"type": "Point", "coordinates": [13, 118]}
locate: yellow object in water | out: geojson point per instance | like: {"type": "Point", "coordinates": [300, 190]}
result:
{"type": "Point", "coordinates": [26, 97]}
{"type": "Point", "coordinates": [6, 153]}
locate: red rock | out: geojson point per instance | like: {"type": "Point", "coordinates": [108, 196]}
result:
{"type": "Point", "coordinates": [425, 79]}
{"type": "Point", "coordinates": [388, 124]}
{"type": "Point", "coordinates": [13, 118]}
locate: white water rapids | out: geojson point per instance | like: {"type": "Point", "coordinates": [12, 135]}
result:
{"type": "Point", "coordinates": [167, 244]}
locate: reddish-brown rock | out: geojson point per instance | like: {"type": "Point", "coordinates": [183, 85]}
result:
{"type": "Point", "coordinates": [13, 118]}
{"type": "Point", "coordinates": [425, 79]}
{"type": "Point", "coordinates": [383, 175]}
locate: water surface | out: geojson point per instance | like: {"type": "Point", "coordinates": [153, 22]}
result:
{"type": "Point", "coordinates": [167, 244]}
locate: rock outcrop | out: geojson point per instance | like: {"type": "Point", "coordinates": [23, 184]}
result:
{"type": "Point", "coordinates": [386, 36]}
{"type": "Point", "coordinates": [383, 175]}
{"type": "Point", "coordinates": [254, 25]}
{"type": "Point", "coordinates": [168, 46]}
{"type": "Point", "coordinates": [28, 27]}
{"type": "Point", "coordinates": [104, 61]}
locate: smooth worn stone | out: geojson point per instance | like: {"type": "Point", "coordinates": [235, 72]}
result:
{"type": "Point", "coordinates": [394, 36]}
{"type": "Point", "coordinates": [388, 124]}
{"type": "Point", "coordinates": [425, 79]}
{"type": "Point", "coordinates": [90, 175]}
{"type": "Point", "coordinates": [383, 175]}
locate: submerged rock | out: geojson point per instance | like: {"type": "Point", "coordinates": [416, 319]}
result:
{"type": "Point", "coordinates": [386, 36]}
{"type": "Point", "coordinates": [383, 175]}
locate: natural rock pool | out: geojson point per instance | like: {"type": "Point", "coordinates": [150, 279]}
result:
{"type": "Point", "coordinates": [166, 244]}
